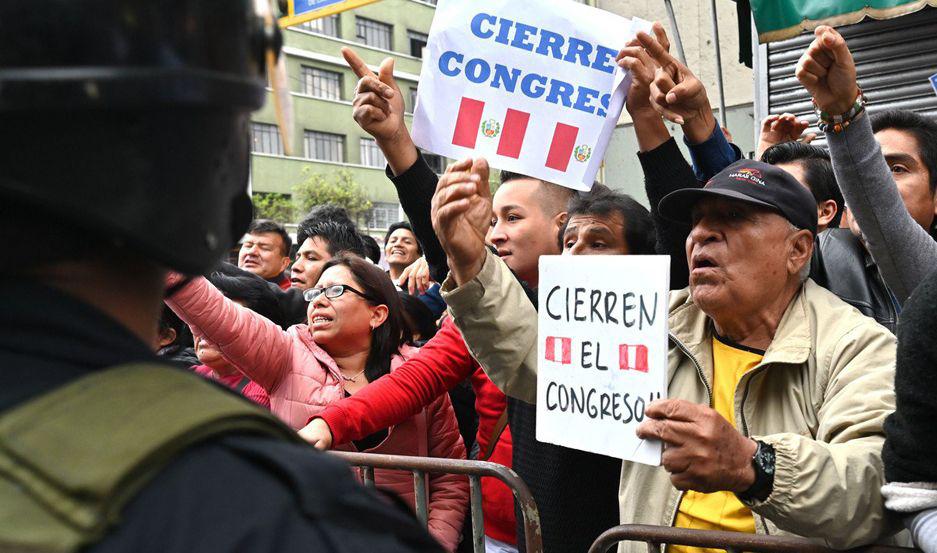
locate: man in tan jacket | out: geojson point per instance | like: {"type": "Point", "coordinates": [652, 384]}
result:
{"type": "Point", "coordinates": [779, 388]}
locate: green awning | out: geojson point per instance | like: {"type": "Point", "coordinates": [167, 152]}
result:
{"type": "Point", "coordinates": [780, 19]}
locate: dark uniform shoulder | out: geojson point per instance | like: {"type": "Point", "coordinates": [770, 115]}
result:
{"type": "Point", "coordinates": [244, 493]}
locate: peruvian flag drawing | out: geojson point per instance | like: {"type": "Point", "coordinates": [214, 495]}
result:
{"type": "Point", "coordinates": [509, 128]}
{"type": "Point", "coordinates": [525, 88]}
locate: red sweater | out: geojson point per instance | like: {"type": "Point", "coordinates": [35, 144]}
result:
{"type": "Point", "coordinates": [441, 364]}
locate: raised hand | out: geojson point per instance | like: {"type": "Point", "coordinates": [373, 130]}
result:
{"type": "Point", "coordinates": [378, 108]}
{"type": "Point", "coordinates": [635, 59]}
{"type": "Point", "coordinates": [461, 212]}
{"type": "Point", "coordinates": [828, 71]}
{"type": "Point", "coordinates": [776, 129]}
{"type": "Point", "coordinates": [676, 93]}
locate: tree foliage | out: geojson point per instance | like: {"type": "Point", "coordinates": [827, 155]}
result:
{"type": "Point", "coordinates": [339, 188]}
{"type": "Point", "coordinates": [275, 206]}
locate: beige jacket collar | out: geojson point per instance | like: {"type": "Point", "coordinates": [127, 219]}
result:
{"type": "Point", "coordinates": [692, 331]}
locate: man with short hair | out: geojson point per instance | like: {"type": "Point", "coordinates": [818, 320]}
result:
{"type": "Point", "coordinates": [265, 251]}
{"type": "Point", "coordinates": [811, 166]}
{"type": "Point", "coordinates": [780, 388]}
{"type": "Point", "coordinates": [841, 263]}
{"type": "Point", "coordinates": [320, 241]}
{"type": "Point", "coordinates": [604, 222]}
{"type": "Point", "coordinates": [401, 248]}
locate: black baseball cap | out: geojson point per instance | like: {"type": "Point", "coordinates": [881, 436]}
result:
{"type": "Point", "coordinates": [752, 182]}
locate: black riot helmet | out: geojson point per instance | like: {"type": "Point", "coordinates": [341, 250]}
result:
{"type": "Point", "coordinates": [130, 118]}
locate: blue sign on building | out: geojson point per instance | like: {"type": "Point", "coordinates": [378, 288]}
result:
{"type": "Point", "coordinates": [305, 6]}
{"type": "Point", "coordinates": [933, 82]}
{"type": "Point", "coordinates": [306, 10]}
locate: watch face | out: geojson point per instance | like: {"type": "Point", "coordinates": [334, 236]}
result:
{"type": "Point", "coordinates": [765, 459]}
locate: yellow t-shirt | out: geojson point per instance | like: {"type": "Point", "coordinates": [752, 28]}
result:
{"type": "Point", "coordinates": [719, 510]}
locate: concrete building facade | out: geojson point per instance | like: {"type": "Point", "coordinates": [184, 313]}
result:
{"type": "Point", "coordinates": [325, 139]}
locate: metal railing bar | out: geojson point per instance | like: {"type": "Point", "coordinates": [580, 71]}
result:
{"type": "Point", "coordinates": [728, 541]}
{"type": "Point", "coordinates": [478, 522]}
{"type": "Point", "coordinates": [419, 495]}
{"type": "Point", "coordinates": [521, 492]}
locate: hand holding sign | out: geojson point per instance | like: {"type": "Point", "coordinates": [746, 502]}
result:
{"type": "Point", "coordinates": [602, 351]}
{"type": "Point", "coordinates": [702, 451]}
{"type": "Point", "coordinates": [530, 86]}
{"type": "Point", "coordinates": [828, 72]}
{"type": "Point", "coordinates": [379, 108]}
{"type": "Point", "coordinates": [461, 212]}
{"type": "Point", "coordinates": [677, 93]}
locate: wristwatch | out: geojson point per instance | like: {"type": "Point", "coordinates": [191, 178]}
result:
{"type": "Point", "coordinates": [763, 463]}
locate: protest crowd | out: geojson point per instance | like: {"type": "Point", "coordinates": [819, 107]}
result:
{"type": "Point", "coordinates": [801, 383]}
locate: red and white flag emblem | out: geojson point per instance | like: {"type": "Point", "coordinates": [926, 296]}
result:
{"type": "Point", "coordinates": [632, 357]}
{"type": "Point", "coordinates": [559, 350]}
{"type": "Point", "coordinates": [510, 127]}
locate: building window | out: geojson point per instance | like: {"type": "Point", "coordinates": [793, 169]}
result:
{"type": "Point", "coordinates": [371, 155]}
{"type": "Point", "coordinates": [435, 162]}
{"type": "Point", "coordinates": [417, 43]}
{"type": "Point", "coordinates": [413, 94]}
{"type": "Point", "coordinates": [324, 25]}
{"type": "Point", "coordinates": [325, 146]}
{"type": "Point", "coordinates": [265, 139]}
{"type": "Point", "coordinates": [321, 83]}
{"type": "Point", "coordinates": [373, 33]}
{"type": "Point", "coordinates": [382, 215]}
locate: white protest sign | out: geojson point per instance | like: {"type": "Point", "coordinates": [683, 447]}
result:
{"type": "Point", "coordinates": [602, 351]}
{"type": "Point", "coordinates": [531, 86]}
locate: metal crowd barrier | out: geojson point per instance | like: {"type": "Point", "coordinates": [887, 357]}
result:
{"type": "Point", "coordinates": [421, 466]}
{"type": "Point", "coordinates": [731, 542]}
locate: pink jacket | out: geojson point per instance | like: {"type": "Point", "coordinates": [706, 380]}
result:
{"type": "Point", "coordinates": [302, 379]}
{"type": "Point", "coordinates": [252, 391]}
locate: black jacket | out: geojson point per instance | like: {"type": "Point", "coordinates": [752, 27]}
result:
{"type": "Point", "coordinates": [910, 433]}
{"type": "Point", "coordinates": [235, 493]}
{"type": "Point", "coordinates": [843, 266]}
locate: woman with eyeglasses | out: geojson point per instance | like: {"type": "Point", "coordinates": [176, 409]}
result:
{"type": "Point", "coordinates": [355, 333]}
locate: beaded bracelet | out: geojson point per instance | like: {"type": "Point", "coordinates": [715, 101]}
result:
{"type": "Point", "coordinates": [838, 123]}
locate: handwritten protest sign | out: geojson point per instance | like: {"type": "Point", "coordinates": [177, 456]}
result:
{"type": "Point", "coordinates": [532, 86]}
{"type": "Point", "coordinates": [602, 351]}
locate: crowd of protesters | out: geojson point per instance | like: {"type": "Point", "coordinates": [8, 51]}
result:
{"type": "Point", "coordinates": [802, 364]}
{"type": "Point", "coordinates": [790, 274]}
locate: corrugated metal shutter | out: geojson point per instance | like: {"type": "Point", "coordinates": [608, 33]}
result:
{"type": "Point", "coordinates": [894, 59]}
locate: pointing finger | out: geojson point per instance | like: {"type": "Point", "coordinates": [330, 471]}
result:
{"type": "Point", "coordinates": [356, 64]}
{"type": "Point", "coordinates": [656, 49]}
{"type": "Point", "coordinates": [661, 35]}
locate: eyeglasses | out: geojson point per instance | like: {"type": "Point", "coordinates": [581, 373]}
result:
{"type": "Point", "coordinates": [331, 292]}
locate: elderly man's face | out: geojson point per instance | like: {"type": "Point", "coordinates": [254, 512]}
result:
{"type": "Point", "coordinates": [741, 256]}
